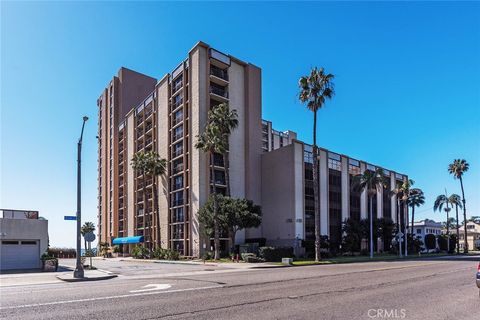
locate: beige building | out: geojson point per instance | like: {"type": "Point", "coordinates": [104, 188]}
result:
{"type": "Point", "coordinates": [138, 113]}
{"type": "Point", "coordinates": [287, 195]}
{"type": "Point", "coordinates": [23, 239]}
{"type": "Point", "coordinates": [270, 167]}
{"type": "Point", "coordinates": [473, 236]}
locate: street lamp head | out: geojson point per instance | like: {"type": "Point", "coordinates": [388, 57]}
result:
{"type": "Point", "coordinates": [85, 118]}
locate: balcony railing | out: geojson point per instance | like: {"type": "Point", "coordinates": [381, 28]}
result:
{"type": "Point", "coordinates": [220, 73]}
{"type": "Point", "coordinates": [177, 104]}
{"type": "Point", "coordinates": [177, 137]}
{"type": "Point", "coordinates": [178, 168]}
{"type": "Point", "coordinates": [177, 120]}
{"type": "Point", "coordinates": [219, 91]}
{"type": "Point", "coordinates": [177, 86]}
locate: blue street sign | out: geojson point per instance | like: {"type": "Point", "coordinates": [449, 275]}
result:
{"type": "Point", "coordinates": [70, 218]}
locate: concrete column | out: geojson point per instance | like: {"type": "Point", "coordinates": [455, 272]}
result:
{"type": "Point", "coordinates": [299, 191]}
{"type": "Point", "coordinates": [363, 196]}
{"type": "Point", "coordinates": [393, 201]}
{"type": "Point", "coordinates": [162, 149]}
{"type": "Point", "coordinates": [199, 173]}
{"type": "Point", "coordinates": [380, 192]}
{"type": "Point", "coordinates": [130, 176]}
{"type": "Point", "coordinates": [345, 189]}
{"type": "Point", "coordinates": [323, 194]}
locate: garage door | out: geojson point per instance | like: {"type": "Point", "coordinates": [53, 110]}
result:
{"type": "Point", "coordinates": [19, 254]}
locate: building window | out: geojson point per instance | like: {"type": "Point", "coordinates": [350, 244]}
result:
{"type": "Point", "coordinates": [177, 199]}
{"type": "Point", "coordinates": [177, 117]}
{"type": "Point", "coordinates": [178, 215]}
{"type": "Point", "coordinates": [177, 84]}
{"type": "Point", "coordinates": [177, 182]}
{"type": "Point", "coordinates": [334, 164]}
{"type": "Point", "coordinates": [177, 149]}
{"type": "Point", "coordinates": [177, 100]}
{"type": "Point", "coordinates": [177, 133]}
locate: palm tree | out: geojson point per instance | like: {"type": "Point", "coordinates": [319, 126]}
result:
{"type": "Point", "coordinates": [227, 121]}
{"type": "Point", "coordinates": [405, 189]}
{"type": "Point", "coordinates": [416, 199]}
{"type": "Point", "coordinates": [458, 168]}
{"type": "Point", "coordinates": [86, 228]}
{"type": "Point", "coordinates": [155, 166]}
{"type": "Point", "coordinates": [212, 141]}
{"type": "Point", "coordinates": [456, 201]}
{"type": "Point", "coordinates": [150, 165]}
{"type": "Point", "coordinates": [442, 200]}
{"type": "Point", "coordinates": [398, 193]}
{"type": "Point", "coordinates": [370, 181]}
{"type": "Point", "coordinates": [315, 89]}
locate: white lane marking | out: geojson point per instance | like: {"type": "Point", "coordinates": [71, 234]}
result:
{"type": "Point", "coordinates": [153, 287]}
{"type": "Point", "coordinates": [107, 298]}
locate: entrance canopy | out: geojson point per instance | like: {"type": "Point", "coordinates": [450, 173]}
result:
{"type": "Point", "coordinates": [125, 240]}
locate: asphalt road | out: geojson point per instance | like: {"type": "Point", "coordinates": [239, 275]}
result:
{"type": "Point", "coordinates": [426, 289]}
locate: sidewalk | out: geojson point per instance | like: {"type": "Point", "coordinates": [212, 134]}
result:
{"type": "Point", "coordinates": [233, 265]}
{"type": "Point", "coordinates": [89, 275]}
{"type": "Point", "coordinates": [36, 277]}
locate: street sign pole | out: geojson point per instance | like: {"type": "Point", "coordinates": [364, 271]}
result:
{"type": "Point", "coordinates": [78, 273]}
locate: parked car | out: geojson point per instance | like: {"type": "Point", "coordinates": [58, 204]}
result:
{"type": "Point", "coordinates": [478, 276]}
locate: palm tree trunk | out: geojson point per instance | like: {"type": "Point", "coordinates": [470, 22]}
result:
{"type": "Point", "coordinates": [405, 208]}
{"type": "Point", "coordinates": [465, 249]}
{"type": "Point", "coordinates": [448, 231]}
{"type": "Point", "coordinates": [413, 218]}
{"type": "Point", "coordinates": [399, 226]}
{"type": "Point", "coordinates": [226, 164]}
{"type": "Point", "coordinates": [315, 189]}
{"type": "Point", "coordinates": [144, 197]}
{"type": "Point", "coordinates": [458, 233]}
{"type": "Point", "coordinates": [371, 227]}
{"type": "Point", "coordinates": [156, 214]}
{"type": "Point", "coordinates": [216, 233]}
{"type": "Point", "coordinates": [232, 239]}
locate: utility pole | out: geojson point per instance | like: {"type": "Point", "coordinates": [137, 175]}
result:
{"type": "Point", "coordinates": [78, 273]}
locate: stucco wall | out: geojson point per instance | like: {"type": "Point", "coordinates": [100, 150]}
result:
{"type": "Point", "coordinates": [278, 196]}
{"type": "Point", "coordinates": [25, 229]}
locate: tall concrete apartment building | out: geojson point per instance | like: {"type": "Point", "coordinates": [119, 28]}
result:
{"type": "Point", "coordinates": [272, 168]}
{"type": "Point", "coordinates": [139, 113]}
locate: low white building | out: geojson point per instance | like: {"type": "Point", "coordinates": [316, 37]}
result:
{"type": "Point", "coordinates": [423, 227]}
{"type": "Point", "coordinates": [23, 239]}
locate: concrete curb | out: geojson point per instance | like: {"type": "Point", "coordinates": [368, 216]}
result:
{"type": "Point", "coordinates": [170, 262]}
{"type": "Point", "coordinates": [70, 278]}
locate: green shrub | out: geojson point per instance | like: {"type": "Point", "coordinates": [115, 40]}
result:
{"type": "Point", "coordinates": [430, 241]}
{"type": "Point", "coordinates": [139, 252]}
{"type": "Point", "coordinates": [165, 254]}
{"type": "Point", "coordinates": [172, 255]}
{"type": "Point", "coordinates": [275, 254]}
{"type": "Point", "coordinates": [116, 249]}
{"type": "Point", "coordinates": [251, 258]}
{"type": "Point", "coordinates": [207, 255]}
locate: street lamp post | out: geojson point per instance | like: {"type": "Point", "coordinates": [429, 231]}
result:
{"type": "Point", "coordinates": [78, 273]}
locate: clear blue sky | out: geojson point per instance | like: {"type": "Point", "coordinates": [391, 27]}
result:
{"type": "Point", "coordinates": [407, 84]}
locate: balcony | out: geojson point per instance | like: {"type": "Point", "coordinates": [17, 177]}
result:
{"type": "Point", "coordinates": [218, 93]}
{"type": "Point", "coordinates": [148, 141]}
{"type": "Point", "coordinates": [177, 86]}
{"type": "Point", "coordinates": [177, 103]}
{"type": "Point", "coordinates": [218, 75]}
{"type": "Point", "coordinates": [178, 168]}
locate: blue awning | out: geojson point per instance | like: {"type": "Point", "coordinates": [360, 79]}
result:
{"type": "Point", "coordinates": [124, 240]}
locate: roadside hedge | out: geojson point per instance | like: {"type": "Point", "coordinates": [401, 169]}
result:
{"type": "Point", "coordinates": [275, 254]}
